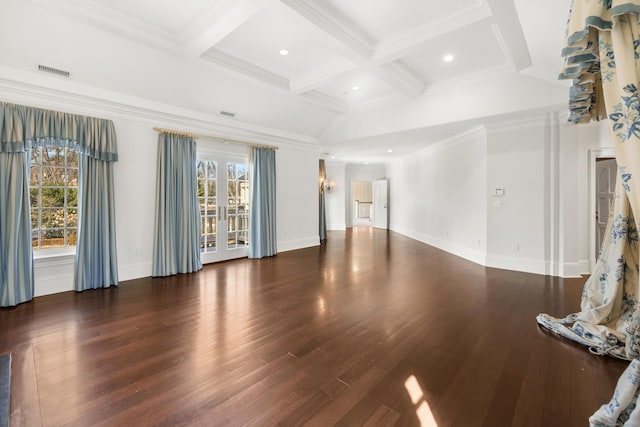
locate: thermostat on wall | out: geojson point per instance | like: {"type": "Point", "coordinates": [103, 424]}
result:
{"type": "Point", "coordinates": [498, 191]}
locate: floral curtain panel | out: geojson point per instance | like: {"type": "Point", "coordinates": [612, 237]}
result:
{"type": "Point", "coordinates": [602, 56]}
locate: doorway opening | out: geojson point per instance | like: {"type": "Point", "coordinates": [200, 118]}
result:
{"type": "Point", "coordinates": [369, 203]}
{"type": "Point", "coordinates": [603, 172]}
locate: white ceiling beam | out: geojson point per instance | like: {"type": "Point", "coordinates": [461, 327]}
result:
{"type": "Point", "coordinates": [218, 23]}
{"type": "Point", "coordinates": [510, 33]}
{"type": "Point", "coordinates": [358, 46]}
{"type": "Point", "coordinates": [330, 103]}
{"type": "Point", "coordinates": [397, 47]}
{"type": "Point", "coordinates": [320, 76]}
{"type": "Point", "coordinates": [246, 68]}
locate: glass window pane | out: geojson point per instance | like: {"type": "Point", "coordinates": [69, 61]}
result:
{"type": "Point", "coordinates": [34, 218]}
{"type": "Point", "coordinates": [200, 188]}
{"type": "Point", "coordinates": [53, 156]}
{"type": "Point", "coordinates": [72, 159]}
{"type": "Point", "coordinates": [211, 188]}
{"type": "Point", "coordinates": [231, 172]}
{"type": "Point", "coordinates": [52, 218]}
{"type": "Point", "coordinates": [241, 170]}
{"type": "Point", "coordinates": [199, 169]}
{"type": "Point", "coordinates": [36, 156]}
{"type": "Point", "coordinates": [52, 238]}
{"type": "Point", "coordinates": [72, 218]}
{"type": "Point", "coordinates": [243, 238]}
{"type": "Point", "coordinates": [232, 240]}
{"type": "Point", "coordinates": [34, 197]}
{"type": "Point", "coordinates": [232, 223]}
{"type": "Point", "coordinates": [210, 225]}
{"type": "Point", "coordinates": [211, 170]}
{"type": "Point", "coordinates": [211, 242]}
{"type": "Point", "coordinates": [34, 175]}
{"type": "Point", "coordinates": [72, 197]}
{"type": "Point", "coordinates": [52, 176]}
{"type": "Point", "coordinates": [52, 197]}
{"type": "Point", "coordinates": [72, 236]}
{"type": "Point", "coordinates": [231, 192]}
{"type": "Point", "coordinates": [72, 177]}
{"type": "Point", "coordinates": [211, 204]}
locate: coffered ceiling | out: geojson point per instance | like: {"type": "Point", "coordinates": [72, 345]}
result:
{"type": "Point", "coordinates": [342, 55]}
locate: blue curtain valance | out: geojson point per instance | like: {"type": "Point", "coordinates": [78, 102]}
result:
{"type": "Point", "coordinates": [23, 127]}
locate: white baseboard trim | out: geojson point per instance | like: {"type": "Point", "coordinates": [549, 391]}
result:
{"type": "Point", "coordinates": [134, 271]}
{"type": "Point", "coordinates": [337, 227]}
{"type": "Point", "coordinates": [472, 255]}
{"type": "Point", "coordinates": [53, 284]}
{"type": "Point", "coordinates": [525, 265]}
{"type": "Point", "coordinates": [293, 244]}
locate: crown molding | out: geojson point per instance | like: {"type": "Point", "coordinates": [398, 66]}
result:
{"type": "Point", "coordinates": [397, 47]}
{"type": "Point", "coordinates": [551, 115]}
{"type": "Point", "coordinates": [231, 62]}
{"type": "Point", "coordinates": [318, 77]}
{"type": "Point", "coordinates": [112, 21]}
{"type": "Point", "coordinates": [48, 92]}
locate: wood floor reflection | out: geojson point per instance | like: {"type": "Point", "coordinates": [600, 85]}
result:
{"type": "Point", "coordinates": [371, 328]}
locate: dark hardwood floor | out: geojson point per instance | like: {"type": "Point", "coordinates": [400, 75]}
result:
{"type": "Point", "coordinates": [371, 328]}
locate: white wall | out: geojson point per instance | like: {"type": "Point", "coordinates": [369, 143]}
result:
{"type": "Point", "coordinates": [516, 221]}
{"type": "Point", "coordinates": [442, 195]}
{"type": "Point", "coordinates": [135, 176]}
{"type": "Point", "coordinates": [438, 196]}
{"type": "Point", "coordinates": [359, 172]}
{"type": "Point", "coordinates": [335, 207]}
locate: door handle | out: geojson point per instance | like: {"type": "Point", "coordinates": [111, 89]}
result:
{"type": "Point", "coordinates": [219, 213]}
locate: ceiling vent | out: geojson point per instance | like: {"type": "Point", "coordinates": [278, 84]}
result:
{"type": "Point", "coordinates": [51, 70]}
{"type": "Point", "coordinates": [224, 113]}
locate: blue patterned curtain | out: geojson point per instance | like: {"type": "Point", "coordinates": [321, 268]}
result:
{"type": "Point", "coordinates": [176, 244]}
{"type": "Point", "coordinates": [602, 56]}
{"type": "Point", "coordinates": [262, 225]}
{"type": "Point", "coordinates": [22, 128]}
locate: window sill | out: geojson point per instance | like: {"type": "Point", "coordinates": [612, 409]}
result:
{"type": "Point", "coordinates": [54, 257]}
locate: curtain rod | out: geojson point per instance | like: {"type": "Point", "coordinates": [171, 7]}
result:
{"type": "Point", "coordinates": [213, 138]}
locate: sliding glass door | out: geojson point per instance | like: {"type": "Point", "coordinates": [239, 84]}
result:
{"type": "Point", "coordinates": [223, 195]}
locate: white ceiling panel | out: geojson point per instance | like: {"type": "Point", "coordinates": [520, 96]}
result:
{"type": "Point", "coordinates": [385, 19]}
{"type": "Point", "coordinates": [370, 88]}
{"type": "Point", "coordinates": [169, 15]}
{"type": "Point", "coordinates": [259, 41]}
{"type": "Point", "coordinates": [474, 48]}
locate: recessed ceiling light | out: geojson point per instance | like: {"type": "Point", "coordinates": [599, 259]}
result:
{"type": "Point", "coordinates": [356, 88]}
{"type": "Point", "coordinates": [284, 52]}
{"type": "Point", "coordinates": [366, 163]}
{"type": "Point", "coordinates": [333, 157]}
{"type": "Point", "coordinates": [389, 151]}
{"type": "Point", "coordinates": [448, 58]}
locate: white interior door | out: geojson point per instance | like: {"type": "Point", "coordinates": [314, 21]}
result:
{"type": "Point", "coordinates": [380, 203]}
{"type": "Point", "coordinates": [223, 195]}
{"type": "Point", "coordinates": [606, 173]}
